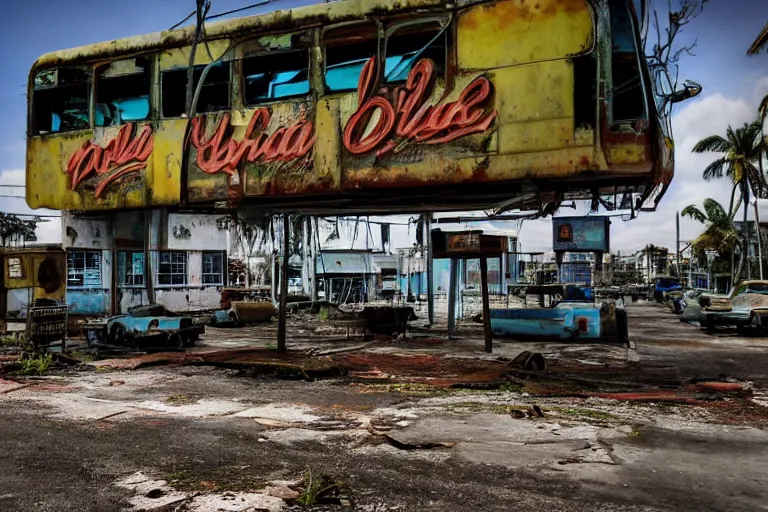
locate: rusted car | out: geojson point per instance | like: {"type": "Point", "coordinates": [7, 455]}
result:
{"type": "Point", "coordinates": [746, 307]}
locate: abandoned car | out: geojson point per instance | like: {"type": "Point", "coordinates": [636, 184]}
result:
{"type": "Point", "coordinates": [745, 307]}
{"type": "Point", "coordinates": [144, 325]}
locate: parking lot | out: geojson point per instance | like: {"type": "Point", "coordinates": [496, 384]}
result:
{"type": "Point", "coordinates": [424, 423]}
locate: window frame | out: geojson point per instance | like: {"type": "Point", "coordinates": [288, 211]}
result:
{"type": "Point", "coordinates": [15, 262]}
{"type": "Point", "coordinates": [32, 107]}
{"type": "Point", "coordinates": [171, 273]}
{"type": "Point", "coordinates": [97, 78]}
{"type": "Point", "coordinates": [324, 47]}
{"type": "Point", "coordinates": [162, 74]}
{"type": "Point", "coordinates": [85, 252]}
{"type": "Point", "coordinates": [121, 278]}
{"type": "Point", "coordinates": [243, 77]}
{"type": "Point", "coordinates": [444, 22]}
{"type": "Point", "coordinates": [223, 269]}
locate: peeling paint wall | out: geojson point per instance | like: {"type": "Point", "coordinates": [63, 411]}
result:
{"type": "Point", "coordinates": [91, 234]}
{"type": "Point", "coordinates": [187, 232]}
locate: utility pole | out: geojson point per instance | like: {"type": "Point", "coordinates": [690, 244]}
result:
{"type": "Point", "coordinates": [677, 247]}
{"type": "Point", "coordinates": [283, 285]}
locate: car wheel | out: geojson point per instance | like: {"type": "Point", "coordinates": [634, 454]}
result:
{"type": "Point", "coordinates": [177, 340]}
{"type": "Point", "coordinates": [118, 334]}
{"type": "Point", "coordinates": [709, 325]}
{"type": "Point", "coordinates": [754, 321]}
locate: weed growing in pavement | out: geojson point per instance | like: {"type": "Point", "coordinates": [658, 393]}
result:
{"type": "Point", "coordinates": [317, 487]}
{"type": "Point", "coordinates": [179, 398]}
{"type": "Point", "coordinates": [324, 314]}
{"type": "Point", "coordinates": [35, 365]}
{"type": "Point", "coordinates": [85, 358]}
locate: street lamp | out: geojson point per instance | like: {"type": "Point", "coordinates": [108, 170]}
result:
{"type": "Point", "coordinates": [710, 257]}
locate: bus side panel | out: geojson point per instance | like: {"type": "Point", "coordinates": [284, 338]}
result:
{"type": "Point", "coordinates": [166, 171]}
{"type": "Point", "coordinates": [513, 32]}
{"type": "Point", "coordinates": [529, 48]}
{"type": "Point", "coordinates": [66, 164]}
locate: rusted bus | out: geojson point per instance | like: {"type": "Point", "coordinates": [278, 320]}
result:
{"type": "Point", "coordinates": [422, 98]}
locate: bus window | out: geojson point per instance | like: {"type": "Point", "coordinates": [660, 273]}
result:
{"type": "Point", "coordinates": [276, 75]}
{"type": "Point", "coordinates": [60, 101]}
{"type": "Point", "coordinates": [411, 43]}
{"type": "Point", "coordinates": [628, 98]}
{"type": "Point", "coordinates": [122, 93]}
{"type": "Point", "coordinates": [214, 95]}
{"type": "Point", "coordinates": [347, 49]}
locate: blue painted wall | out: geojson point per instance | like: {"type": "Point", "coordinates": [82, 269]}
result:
{"type": "Point", "coordinates": [88, 302]}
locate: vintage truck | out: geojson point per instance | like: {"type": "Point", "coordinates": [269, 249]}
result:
{"type": "Point", "coordinates": [144, 325]}
{"type": "Point", "coordinates": [745, 307]}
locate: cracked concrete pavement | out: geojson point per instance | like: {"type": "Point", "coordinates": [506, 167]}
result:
{"type": "Point", "coordinates": [203, 439]}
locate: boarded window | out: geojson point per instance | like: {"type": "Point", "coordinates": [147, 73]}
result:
{"type": "Point", "coordinates": [409, 44]}
{"type": "Point", "coordinates": [214, 95]}
{"type": "Point", "coordinates": [122, 93]}
{"type": "Point", "coordinates": [14, 268]}
{"type": "Point", "coordinates": [60, 101]}
{"type": "Point", "coordinates": [173, 268]}
{"type": "Point", "coordinates": [277, 75]}
{"type": "Point", "coordinates": [213, 268]}
{"type": "Point", "coordinates": [347, 50]}
{"type": "Point", "coordinates": [83, 269]}
{"type": "Point", "coordinates": [130, 268]}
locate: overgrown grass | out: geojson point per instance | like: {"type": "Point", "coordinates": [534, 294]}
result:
{"type": "Point", "coordinates": [316, 487]}
{"type": "Point", "coordinates": [35, 365]}
{"type": "Point", "coordinates": [324, 314]}
{"type": "Point", "coordinates": [75, 354]}
{"type": "Point", "coordinates": [179, 399]}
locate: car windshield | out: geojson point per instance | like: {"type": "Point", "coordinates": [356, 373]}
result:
{"type": "Point", "coordinates": [761, 288]}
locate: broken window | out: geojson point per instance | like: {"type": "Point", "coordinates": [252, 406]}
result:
{"type": "Point", "coordinates": [122, 92]}
{"type": "Point", "coordinates": [214, 94]}
{"type": "Point", "coordinates": [347, 49]}
{"type": "Point", "coordinates": [173, 268]}
{"type": "Point", "coordinates": [628, 98]}
{"type": "Point", "coordinates": [130, 268]}
{"type": "Point", "coordinates": [60, 101]}
{"type": "Point", "coordinates": [14, 268]}
{"type": "Point", "coordinates": [83, 269]}
{"type": "Point", "coordinates": [408, 44]}
{"type": "Point", "coordinates": [213, 268]}
{"type": "Point", "coordinates": [276, 75]}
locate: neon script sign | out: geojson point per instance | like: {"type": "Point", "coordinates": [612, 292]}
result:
{"type": "Point", "coordinates": [222, 154]}
{"type": "Point", "coordinates": [408, 118]}
{"type": "Point", "coordinates": [123, 156]}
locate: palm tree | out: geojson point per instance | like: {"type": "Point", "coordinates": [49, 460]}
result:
{"type": "Point", "coordinates": [720, 234]}
{"type": "Point", "coordinates": [740, 150]}
{"type": "Point", "coordinates": [760, 43]}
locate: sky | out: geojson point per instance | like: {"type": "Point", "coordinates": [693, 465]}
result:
{"type": "Point", "coordinates": [732, 87]}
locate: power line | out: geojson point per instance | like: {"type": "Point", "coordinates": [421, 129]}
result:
{"type": "Point", "coordinates": [257, 4]}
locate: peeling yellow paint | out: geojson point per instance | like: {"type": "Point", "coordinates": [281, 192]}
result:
{"type": "Point", "coordinates": [514, 32]}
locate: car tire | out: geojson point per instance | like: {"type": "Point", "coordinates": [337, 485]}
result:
{"type": "Point", "coordinates": [117, 334]}
{"type": "Point", "coordinates": [709, 325]}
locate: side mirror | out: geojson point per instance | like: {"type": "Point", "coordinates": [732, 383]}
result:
{"type": "Point", "coordinates": [689, 90]}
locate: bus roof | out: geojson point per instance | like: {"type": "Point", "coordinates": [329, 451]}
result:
{"type": "Point", "coordinates": [319, 14]}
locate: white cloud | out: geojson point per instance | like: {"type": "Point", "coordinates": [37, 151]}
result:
{"type": "Point", "coordinates": [694, 121]}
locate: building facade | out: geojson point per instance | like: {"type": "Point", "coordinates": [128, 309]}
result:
{"type": "Point", "coordinates": [120, 260]}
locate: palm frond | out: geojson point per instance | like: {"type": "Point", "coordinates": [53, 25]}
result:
{"type": "Point", "coordinates": [713, 143]}
{"type": "Point", "coordinates": [715, 211]}
{"type": "Point", "coordinates": [694, 213]}
{"type": "Point", "coordinates": [762, 110]}
{"type": "Point", "coordinates": [715, 170]}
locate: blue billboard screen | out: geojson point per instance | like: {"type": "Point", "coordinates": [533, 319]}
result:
{"type": "Point", "coordinates": [576, 234]}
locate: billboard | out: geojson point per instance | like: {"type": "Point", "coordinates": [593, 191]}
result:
{"type": "Point", "coordinates": [581, 234]}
